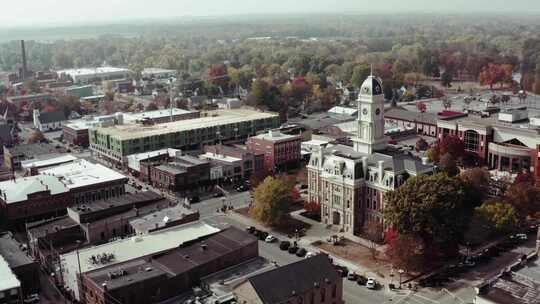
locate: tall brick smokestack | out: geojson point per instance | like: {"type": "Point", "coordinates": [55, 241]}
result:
{"type": "Point", "coordinates": [24, 67]}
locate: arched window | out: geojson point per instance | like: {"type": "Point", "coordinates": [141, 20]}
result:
{"type": "Point", "coordinates": [471, 140]}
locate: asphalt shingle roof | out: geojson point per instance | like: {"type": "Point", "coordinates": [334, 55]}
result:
{"type": "Point", "coordinates": [277, 285]}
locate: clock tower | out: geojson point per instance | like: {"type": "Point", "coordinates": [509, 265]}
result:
{"type": "Point", "coordinates": [370, 119]}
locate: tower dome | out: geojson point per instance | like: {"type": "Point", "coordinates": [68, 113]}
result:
{"type": "Point", "coordinates": [372, 86]}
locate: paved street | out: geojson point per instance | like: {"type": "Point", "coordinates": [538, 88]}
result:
{"type": "Point", "coordinates": [353, 293]}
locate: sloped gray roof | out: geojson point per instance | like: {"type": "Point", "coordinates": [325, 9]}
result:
{"type": "Point", "coordinates": [49, 117]}
{"type": "Point", "coordinates": [278, 285]}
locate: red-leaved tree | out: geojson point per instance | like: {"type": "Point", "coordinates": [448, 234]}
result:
{"type": "Point", "coordinates": [496, 73]}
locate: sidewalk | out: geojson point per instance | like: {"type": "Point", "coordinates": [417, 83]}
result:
{"type": "Point", "coordinates": [317, 232]}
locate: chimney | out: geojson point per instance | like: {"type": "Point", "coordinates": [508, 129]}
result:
{"type": "Point", "coordinates": [24, 67]}
{"type": "Point", "coordinates": [381, 169]}
{"type": "Point", "coordinates": [364, 165]}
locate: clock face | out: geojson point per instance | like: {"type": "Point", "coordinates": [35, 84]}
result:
{"type": "Point", "coordinates": [377, 89]}
{"type": "Point", "coordinates": [378, 111]}
{"type": "Point", "coordinates": [364, 111]}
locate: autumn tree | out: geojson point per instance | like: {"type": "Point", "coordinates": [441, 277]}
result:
{"type": "Point", "coordinates": [503, 216]}
{"type": "Point", "coordinates": [526, 177]}
{"type": "Point", "coordinates": [478, 180]}
{"type": "Point", "coordinates": [272, 199]}
{"type": "Point", "coordinates": [312, 208]}
{"type": "Point", "coordinates": [421, 106]}
{"type": "Point", "coordinates": [218, 76]}
{"type": "Point", "coordinates": [36, 137]}
{"type": "Point", "coordinates": [449, 144]}
{"type": "Point", "coordinates": [406, 251]}
{"type": "Point", "coordinates": [525, 198]}
{"type": "Point", "coordinates": [496, 73]}
{"type": "Point", "coordinates": [431, 207]}
{"type": "Point", "coordinates": [448, 164]}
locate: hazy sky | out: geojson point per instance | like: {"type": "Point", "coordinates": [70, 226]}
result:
{"type": "Point", "coordinates": [37, 12]}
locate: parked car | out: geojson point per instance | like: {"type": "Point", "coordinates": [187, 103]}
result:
{"type": "Point", "coordinates": [371, 283]}
{"type": "Point", "coordinates": [352, 276]}
{"type": "Point", "coordinates": [292, 249]}
{"type": "Point", "coordinates": [194, 199]}
{"type": "Point", "coordinates": [270, 239]}
{"type": "Point", "coordinates": [310, 254]}
{"type": "Point", "coordinates": [218, 194]}
{"type": "Point", "coordinates": [263, 235]}
{"type": "Point", "coordinates": [301, 252]}
{"type": "Point", "coordinates": [361, 280]}
{"type": "Point", "coordinates": [250, 229]}
{"type": "Point", "coordinates": [284, 245]}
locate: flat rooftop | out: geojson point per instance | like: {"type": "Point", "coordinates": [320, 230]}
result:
{"type": "Point", "coordinates": [138, 246]}
{"type": "Point", "coordinates": [47, 161]}
{"type": "Point", "coordinates": [275, 136]}
{"type": "Point", "coordinates": [125, 250]}
{"type": "Point", "coordinates": [176, 261]}
{"type": "Point", "coordinates": [81, 173]}
{"type": "Point", "coordinates": [157, 71]}
{"type": "Point", "coordinates": [130, 199]}
{"type": "Point", "coordinates": [219, 157]}
{"type": "Point", "coordinates": [215, 119]}
{"type": "Point", "coordinates": [160, 218]}
{"type": "Point", "coordinates": [42, 228]}
{"type": "Point", "coordinates": [8, 280]}
{"type": "Point", "coordinates": [134, 160]}
{"type": "Point", "coordinates": [93, 71]}
{"type": "Point", "coordinates": [12, 253]}
{"type": "Point", "coordinates": [33, 150]}
{"type": "Point", "coordinates": [17, 190]}
{"type": "Point", "coordinates": [129, 118]}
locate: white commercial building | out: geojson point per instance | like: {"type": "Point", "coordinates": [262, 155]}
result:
{"type": "Point", "coordinates": [157, 73]}
{"type": "Point", "coordinates": [124, 250]}
{"type": "Point", "coordinates": [86, 75]}
{"type": "Point", "coordinates": [10, 286]}
{"type": "Point", "coordinates": [88, 182]}
{"type": "Point", "coordinates": [134, 160]}
{"type": "Point", "coordinates": [40, 163]}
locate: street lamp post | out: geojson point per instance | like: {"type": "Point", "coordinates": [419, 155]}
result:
{"type": "Point", "coordinates": [400, 271]}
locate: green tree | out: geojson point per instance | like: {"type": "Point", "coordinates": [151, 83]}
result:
{"type": "Point", "coordinates": [503, 216]}
{"type": "Point", "coordinates": [32, 86]}
{"type": "Point", "coordinates": [259, 92]}
{"type": "Point", "coordinates": [360, 73]}
{"type": "Point", "coordinates": [272, 199]}
{"type": "Point", "coordinates": [446, 79]}
{"type": "Point", "coordinates": [433, 207]}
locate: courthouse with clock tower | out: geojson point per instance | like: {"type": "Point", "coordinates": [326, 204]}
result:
{"type": "Point", "coordinates": [349, 182]}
